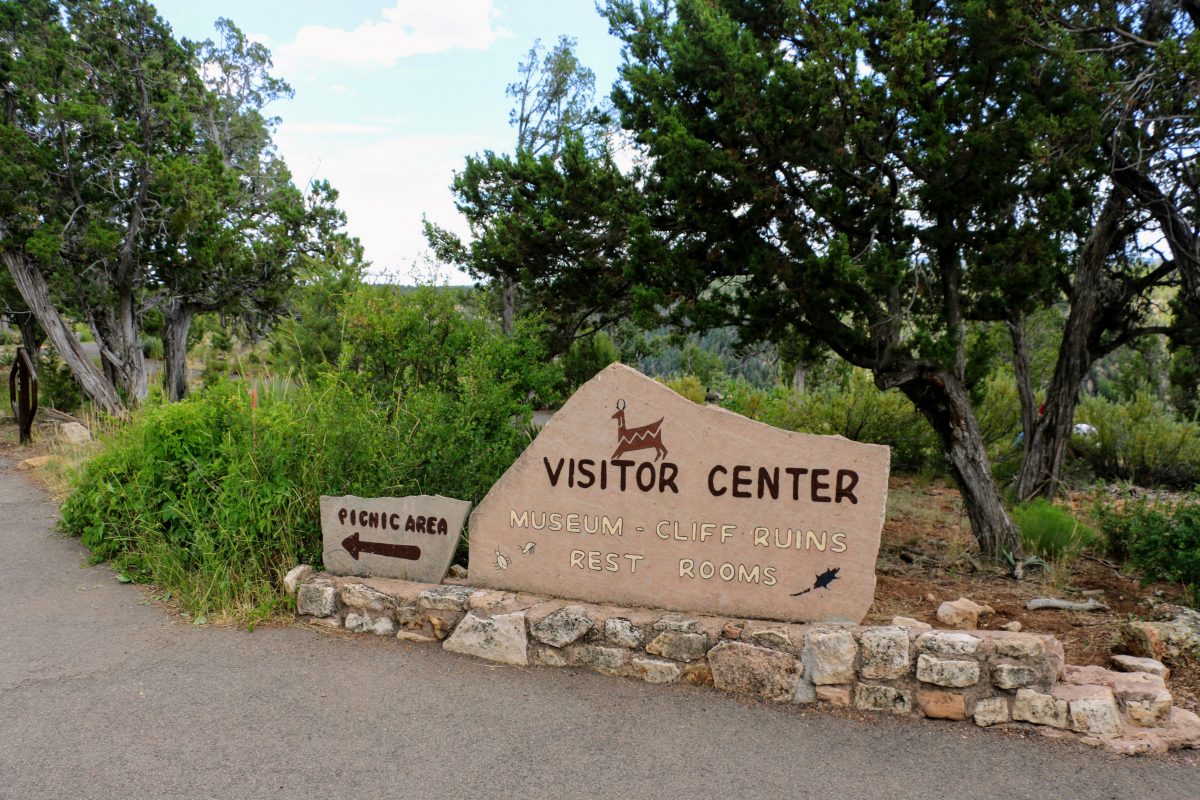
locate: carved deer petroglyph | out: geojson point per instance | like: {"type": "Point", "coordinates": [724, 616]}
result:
{"type": "Point", "coordinates": [639, 438]}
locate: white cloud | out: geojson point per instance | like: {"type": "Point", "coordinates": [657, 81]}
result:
{"type": "Point", "coordinates": [410, 27]}
{"type": "Point", "coordinates": [386, 185]}
{"type": "Point", "coordinates": [323, 127]}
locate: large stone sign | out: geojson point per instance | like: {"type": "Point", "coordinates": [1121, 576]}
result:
{"type": "Point", "coordinates": [635, 495]}
{"type": "Point", "coordinates": [411, 538]}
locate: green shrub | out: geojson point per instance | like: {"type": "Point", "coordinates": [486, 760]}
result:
{"type": "Point", "coordinates": [585, 358]}
{"type": "Point", "coordinates": [1162, 541]}
{"type": "Point", "coordinates": [1141, 441]}
{"type": "Point", "coordinates": [688, 386]}
{"type": "Point", "coordinates": [1051, 531]}
{"type": "Point", "coordinates": [57, 387]}
{"type": "Point", "coordinates": [857, 410]}
{"type": "Point", "coordinates": [152, 346]}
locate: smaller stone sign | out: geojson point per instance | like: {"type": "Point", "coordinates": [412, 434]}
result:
{"type": "Point", "coordinates": [410, 538]}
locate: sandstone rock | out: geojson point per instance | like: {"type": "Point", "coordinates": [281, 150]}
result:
{"type": "Point", "coordinates": [1013, 626]}
{"type": "Point", "coordinates": [949, 644]}
{"type": "Point", "coordinates": [758, 671]}
{"type": "Point", "coordinates": [653, 670]}
{"type": "Point", "coordinates": [1092, 709]}
{"type": "Point", "coordinates": [550, 657]}
{"type": "Point", "coordinates": [296, 576]}
{"type": "Point", "coordinates": [1136, 745]}
{"type": "Point", "coordinates": [829, 657]}
{"type": "Point", "coordinates": [834, 695]}
{"type": "Point", "coordinates": [911, 624]}
{"type": "Point", "coordinates": [962, 613]}
{"type": "Point", "coordinates": [882, 698]}
{"type": "Point", "coordinates": [1040, 709]}
{"type": "Point", "coordinates": [884, 653]}
{"type": "Point", "coordinates": [38, 462]}
{"type": "Point", "coordinates": [698, 673]}
{"type": "Point", "coordinates": [364, 598]}
{"type": "Point", "coordinates": [733, 630]}
{"type": "Point", "coordinates": [991, 711]}
{"type": "Point", "coordinates": [623, 632]}
{"type": "Point", "coordinates": [74, 433]}
{"type": "Point", "coordinates": [407, 616]}
{"type": "Point", "coordinates": [414, 636]}
{"type": "Point", "coordinates": [1182, 730]}
{"type": "Point", "coordinates": [942, 705]}
{"type": "Point", "coordinates": [350, 526]}
{"type": "Point", "coordinates": [316, 599]}
{"type": "Point", "coordinates": [608, 660]}
{"type": "Point", "coordinates": [380, 626]}
{"type": "Point", "coordinates": [1134, 664]}
{"type": "Point", "coordinates": [562, 627]}
{"type": "Point", "coordinates": [945, 672]}
{"type": "Point", "coordinates": [1013, 676]}
{"type": "Point", "coordinates": [679, 646]}
{"type": "Point", "coordinates": [485, 600]}
{"type": "Point", "coordinates": [457, 571]}
{"type": "Point", "coordinates": [500, 638]}
{"type": "Point", "coordinates": [1173, 638]}
{"type": "Point", "coordinates": [770, 637]}
{"type": "Point", "coordinates": [442, 622]}
{"type": "Point", "coordinates": [445, 598]}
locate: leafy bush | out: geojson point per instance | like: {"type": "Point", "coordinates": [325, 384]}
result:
{"type": "Point", "coordinates": [57, 387]}
{"type": "Point", "coordinates": [856, 410]}
{"type": "Point", "coordinates": [585, 358]}
{"type": "Point", "coordinates": [1051, 531]}
{"type": "Point", "coordinates": [688, 386]}
{"type": "Point", "coordinates": [1141, 441]}
{"type": "Point", "coordinates": [1162, 541]}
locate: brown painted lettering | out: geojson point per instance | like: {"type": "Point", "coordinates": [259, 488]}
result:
{"type": "Point", "coordinates": [847, 479]}
{"type": "Point", "coordinates": [818, 485]}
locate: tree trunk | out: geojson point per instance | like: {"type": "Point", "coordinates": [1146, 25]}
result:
{"type": "Point", "coordinates": [943, 400]}
{"type": "Point", "coordinates": [508, 304]}
{"type": "Point", "coordinates": [121, 349]}
{"type": "Point", "coordinates": [36, 293]}
{"type": "Point", "coordinates": [1047, 439]}
{"type": "Point", "coordinates": [178, 320]}
{"type": "Point", "coordinates": [31, 337]}
{"type": "Point", "coordinates": [799, 376]}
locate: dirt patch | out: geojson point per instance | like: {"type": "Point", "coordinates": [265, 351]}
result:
{"type": "Point", "coordinates": [928, 556]}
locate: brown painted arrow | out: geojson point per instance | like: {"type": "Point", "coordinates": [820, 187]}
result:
{"type": "Point", "coordinates": [354, 546]}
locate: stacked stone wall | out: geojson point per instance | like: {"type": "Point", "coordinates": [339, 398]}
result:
{"type": "Point", "coordinates": [987, 677]}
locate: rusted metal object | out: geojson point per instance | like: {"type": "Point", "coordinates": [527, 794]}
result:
{"type": "Point", "coordinates": [23, 394]}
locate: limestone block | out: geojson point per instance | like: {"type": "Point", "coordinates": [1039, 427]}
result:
{"type": "Point", "coordinates": [1092, 709]}
{"type": "Point", "coordinates": [562, 627]}
{"type": "Point", "coordinates": [445, 598]}
{"type": "Point", "coordinates": [609, 660]}
{"type": "Point", "coordinates": [1013, 676]}
{"type": "Point", "coordinates": [623, 632]}
{"type": "Point", "coordinates": [1123, 663]}
{"type": "Point", "coordinates": [947, 672]}
{"type": "Point", "coordinates": [1147, 711]}
{"type": "Point", "coordinates": [549, 657]}
{"type": "Point", "coordinates": [316, 599]}
{"type": "Point", "coordinates": [414, 636]}
{"type": "Point", "coordinates": [806, 692]}
{"type": "Point", "coordinates": [882, 698]}
{"type": "Point", "coordinates": [500, 638]}
{"type": "Point", "coordinates": [360, 623]}
{"type": "Point", "coordinates": [949, 644]}
{"type": "Point", "coordinates": [407, 616]}
{"type": "Point", "coordinates": [296, 576]}
{"type": "Point", "coordinates": [776, 638]}
{"type": "Point", "coordinates": [678, 646]}
{"type": "Point", "coordinates": [698, 673]}
{"type": "Point", "coordinates": [1182, 730]}
{"type": "Point", "coordinates": [364, 598]}
{"type": "Point", "coordinates": [485, 600]}
{"type": "Point", "coordinates": [942, 705]}
{"type": "Point", "coordinates": [74, 433]}
{"type": "Point", "coordinates": [1024, 645]}
{"type": "Point", "coordinates": [654, 670]}
{"type": "Point", "coordinates": [442, 622]}
{"type": "Point", "coordinates": [1175, 636]}
{"type": "Point", "coordinates": [962, 613]}
{"type": "Point", "coordinates": [829, 656]}
{"type": "Point", "coordinates": [680, 623]}
{"type": "Point", "coordinates": [834, 695]}
{"type": "Point", "coordinates": [884, 653]}
{"type": "Point", "coordinates": [991, 711]}
{"type": "Point", "coordinates": [1040, 709]}
{"type": "Point", "coordinates": [752, 670]}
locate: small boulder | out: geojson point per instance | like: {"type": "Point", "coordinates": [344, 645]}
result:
{"type": "Point", "coordinates": [74, 433]}
{"type": "Point", "coordinates": [962, 613]}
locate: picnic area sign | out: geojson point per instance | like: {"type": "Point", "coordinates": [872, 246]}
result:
{"type": "Point", "coordinates": [411, 538]}
{"type": "Point", "coordinates": [635, 495]}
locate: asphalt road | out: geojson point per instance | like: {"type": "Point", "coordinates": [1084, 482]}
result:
{"type": "Point", "coordinates": [103, 694]}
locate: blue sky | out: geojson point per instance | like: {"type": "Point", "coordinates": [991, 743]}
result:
{"type": "Point", "coordinates": [391, 95]}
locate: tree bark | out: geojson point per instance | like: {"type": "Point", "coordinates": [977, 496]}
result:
{"type": "Point", "coordinates": [36, 293]}
{"type": "Point", "coordinates": [121, 349]}
{"type": "Point", "coordinates": [31, 337]}
{"type": "Point", "coordinates": [799, 377]}
{"type": "Point", "coordinates": [178, 321]}
{"type": "Point", "coordinates": [1047, 439]}
{"type": "Point", "coordinates": [508, 304]}
{"type": "Point", "coordinates": [943, 400]}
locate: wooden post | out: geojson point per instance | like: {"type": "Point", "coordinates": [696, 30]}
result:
{"type": "Point", "coordinates": [23, 394]}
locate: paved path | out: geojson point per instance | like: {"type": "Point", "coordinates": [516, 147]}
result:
{"type": "Point", "coordinates": [104, 695]}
